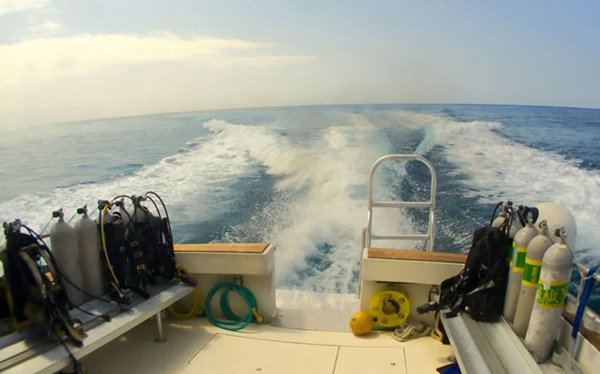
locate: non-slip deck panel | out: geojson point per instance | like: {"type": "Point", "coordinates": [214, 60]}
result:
{"type": "Point", "coordinates": [223, 247]}
{"type": "Point", "coordinates": [415, 255]}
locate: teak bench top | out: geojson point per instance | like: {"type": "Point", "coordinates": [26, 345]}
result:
{"type": "Point", "coordinates": [222, 247]}
{"type": "Point", "coordinates": [415, 255]}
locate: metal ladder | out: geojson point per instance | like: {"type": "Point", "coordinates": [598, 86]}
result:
{"type": "Point", "coordinates": [368, 234]}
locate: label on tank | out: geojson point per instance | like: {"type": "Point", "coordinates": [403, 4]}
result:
{"type": "Point", "coordinates": [521, 254]}
{"type": "Point", "coordinates": [511, 252]}
{"type": "Point", "coordinates": [531, 272]}
{"type": "Point", "coordinates": [552, 295]}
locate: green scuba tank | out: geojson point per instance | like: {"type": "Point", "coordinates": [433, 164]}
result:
{"type": "Point", "coordinates": [549, 299]}
{"type": "Point", "coordinates": [517, 263]}
{"type": "Point", "coordinates": [536, 249]}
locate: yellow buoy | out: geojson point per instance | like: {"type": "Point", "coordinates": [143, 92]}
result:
{"type": "Point", "coordinates": [361, 323]}
{"type": "Point", "coordinates": [389, 307]}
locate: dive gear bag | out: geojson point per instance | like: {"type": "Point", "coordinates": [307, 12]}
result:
{"type": "Point", "coordinates": [480, 287]}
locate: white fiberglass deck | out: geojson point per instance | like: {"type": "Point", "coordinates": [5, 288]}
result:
{"type": "Point", "coordinates": [195, 346]}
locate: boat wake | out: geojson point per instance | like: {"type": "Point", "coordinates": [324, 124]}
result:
{"type": "Point", "coordinates": [307, 194]}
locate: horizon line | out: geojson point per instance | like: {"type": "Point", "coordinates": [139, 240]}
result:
{"type": "Point", "coordinates": [302, 106]}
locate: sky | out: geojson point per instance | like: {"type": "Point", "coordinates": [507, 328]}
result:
{"type": "Point", "coordinates": [69, 60]}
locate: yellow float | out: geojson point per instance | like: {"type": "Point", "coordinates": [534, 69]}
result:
{"type": "Point", "coordinates": [389, 307]}
{"type": "Point", "coordinates": [361, 323]}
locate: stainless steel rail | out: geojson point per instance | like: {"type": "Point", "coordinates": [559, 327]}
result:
{"type": "Point", "coordinates": [430, 236]}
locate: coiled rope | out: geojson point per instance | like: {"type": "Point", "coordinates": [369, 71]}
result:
{"type": "Point", "coordinates": [416, 330]}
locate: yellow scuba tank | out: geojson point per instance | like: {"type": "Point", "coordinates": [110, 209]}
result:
{"type": "Point", "coordinates": [389, 307]}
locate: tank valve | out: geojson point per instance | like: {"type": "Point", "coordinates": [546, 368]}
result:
{"type": "Point", "coordinates": [58, 213]}
{"type": "Point", "coordinates": [82, 210]}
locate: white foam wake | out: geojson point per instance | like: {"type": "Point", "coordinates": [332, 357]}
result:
{"type": "Point", "coordinates": [501, 169]}
{"type": "Point", "coordinates": [319, 207]}
{"type": "Point", "coordinates": [318, 202]}
{"type": "Point", "coordinates": [195, 183]}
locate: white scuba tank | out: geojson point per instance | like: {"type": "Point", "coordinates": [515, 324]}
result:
{"type": "Point", "coordinates": [498, 221]}
{"type": "Point", "coordinates": [517, 263]}
{"type": "Point", "coordinates": [558, 217]}
{"type": "Point", "coordinates": [549, 300]}
{"type": "Point", "coordinates": [64, 248]}
{"type": "Point", "coordinates": [531, 274]}
{"type": "Point", "coordinates": [506, 213]}
{"type": "Point", "coordinates": [89, 255]}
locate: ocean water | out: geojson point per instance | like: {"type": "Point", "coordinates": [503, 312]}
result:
{"type": "Point", "coordinates": [297, 176]}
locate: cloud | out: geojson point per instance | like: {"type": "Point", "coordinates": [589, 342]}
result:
{"type": "Point", "coordinates": [46, 29]}
{"type": "Point", "coordinates": [225, 61]}
{"type": "Point", "coordinates": [11, 6]}
{"type": "Point", "coordinates": [42, 59]}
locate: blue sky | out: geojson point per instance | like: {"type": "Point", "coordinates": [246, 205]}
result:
{"type": "Point", "coordinates": [72, 59]}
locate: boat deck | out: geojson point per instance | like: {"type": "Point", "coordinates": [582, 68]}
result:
{"type": "Point", "coordinates": [195, 346]}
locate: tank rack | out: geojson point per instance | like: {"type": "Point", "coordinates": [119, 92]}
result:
{"type": "Point", "coordinates": [488, 347]}
{"type": "Point", "coordinates": [36, 354]}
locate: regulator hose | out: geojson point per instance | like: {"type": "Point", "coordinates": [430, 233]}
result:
{"type": "Point", "coordinates": [232, 322]}
{"type": "Point", "coordinates": [196, 306]}
{"type": "Point", "coordinates": [115, 284]}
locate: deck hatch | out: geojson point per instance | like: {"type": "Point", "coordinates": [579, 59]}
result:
{"type": "Point", "coordinates": [232, 354]}
{"type": "Point", "coordinates": [370, 360]}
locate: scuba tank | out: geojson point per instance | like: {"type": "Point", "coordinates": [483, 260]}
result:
{"type": "Point", "coordinates": [506, 219]}
{"type": "Point", "coordinates": [531, 273]}
{"type": "Point", "coordinates": [64, 247]}
{"type": "Point", "coordinates": [506, 216]}
{"type": "Point", "coordinates": [558, 217]}
{"type": "Point", "coordinates": [549, 299]}
{"type": "Point", "coordinates": [36, 285]}
{"type": "Point", "coordinates": [517, 263]}
{"type": "Point", "coordinates": [89, 255]}
{"type": "Point", "coordinates": [502, 216]}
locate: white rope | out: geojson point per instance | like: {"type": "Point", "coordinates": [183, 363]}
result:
{"type": "Point", "coordinates": [411, 331]}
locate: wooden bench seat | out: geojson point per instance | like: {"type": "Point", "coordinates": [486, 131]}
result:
{"type": "Point", "coordinates": [415, 255]}
{"type": "Point", "coordinates": [222, 247]}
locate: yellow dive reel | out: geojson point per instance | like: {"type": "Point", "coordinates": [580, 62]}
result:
{"type": "Point", "coordinates": [389, 307]}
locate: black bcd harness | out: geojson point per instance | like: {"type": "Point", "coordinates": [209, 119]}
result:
{"type": "Point", "coordinates": [35, 285]}
{"type": "Point", "coordinates": [480, 287]}
{"type": "Point", "coordinates": [139, 245]}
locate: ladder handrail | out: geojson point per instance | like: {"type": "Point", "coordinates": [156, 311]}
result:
{"type": "Point", "coordinates": [402, 204]}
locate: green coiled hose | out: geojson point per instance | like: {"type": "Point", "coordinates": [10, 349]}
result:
{"type": "Point", "coordinates": [233, 322]}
